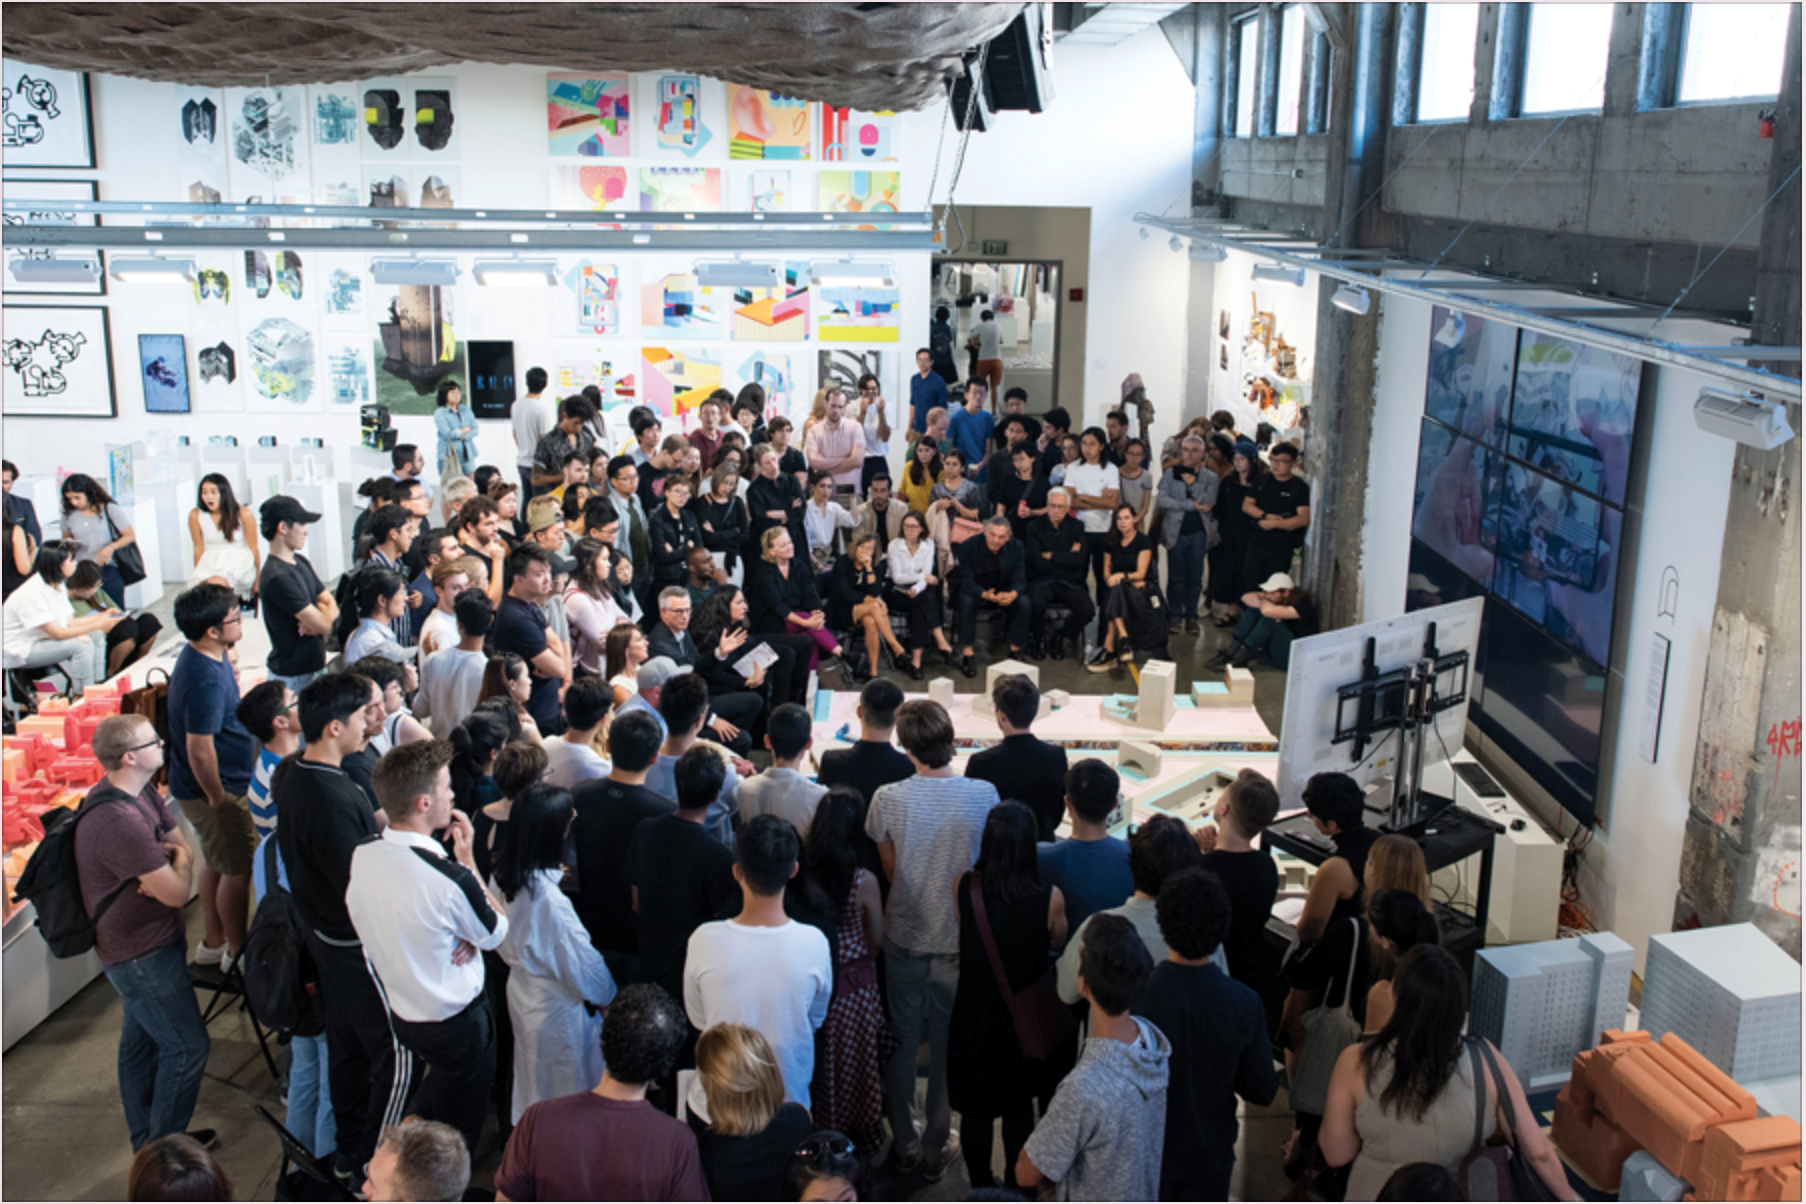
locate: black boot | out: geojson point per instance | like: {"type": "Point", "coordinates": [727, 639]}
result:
{"type": "Point", "coordinates": [1244, 656]}
{"type": "Point", "coordinates": [1056, 647]}
{"type": "Point", "coordinates": [1226, 657]}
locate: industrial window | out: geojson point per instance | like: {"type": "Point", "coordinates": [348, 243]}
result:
{"type": "Point", "coordinates": [1732, 52]}
{"type": "Point", "coordinates": [1291, 68]}
{"type": "Point", "coordinates": [1445, 79]}
{"type": "Point", "coordinates": [1247, 56]}
{"type": "Point", "coordinates": [1564, 58]}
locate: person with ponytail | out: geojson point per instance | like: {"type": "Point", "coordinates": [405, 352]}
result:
{"type": "Point", "coordinates": [1397, 922]}
{"type": "Point", "coordinates": [475, 743]}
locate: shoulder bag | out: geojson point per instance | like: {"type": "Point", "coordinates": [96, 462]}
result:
{"type": "Point", "coordinates": [1494, 1168]}
{"type": "Point", "coordinates": [129, 560]}
{"type": "Point", "coordinates": [1043, 1023]}
{"type": "Point", "coordinates": [1327, 1032]}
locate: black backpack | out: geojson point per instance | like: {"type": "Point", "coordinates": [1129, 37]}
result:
{"type": "Point", "coordinates": [53, 884]}
{"type": "Point", "coordinates": [282, 984]}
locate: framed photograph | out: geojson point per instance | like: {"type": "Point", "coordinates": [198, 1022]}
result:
{"type": "Point", "coordinates": [163, 373]}
{"type": "Point", "coordinates": [59, 362]}
{"type": "Point", "coordinates": [54, 211]}
{"type": "Point", "coordinates": [48, 120]}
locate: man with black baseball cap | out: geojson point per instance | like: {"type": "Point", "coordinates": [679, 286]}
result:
{"type": "Point", "coordinates": [298, 610]}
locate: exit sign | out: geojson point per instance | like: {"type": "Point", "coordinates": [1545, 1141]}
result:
{"type": "Point", "coordinates": [995, 246]}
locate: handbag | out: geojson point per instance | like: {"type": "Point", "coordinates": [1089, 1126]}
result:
{"type": "Point", "coordinates": [129, 560]}
{"type": "Point", "coordinates": [1495, 1169]}
{"type": "Point", "coordinates": [1327, 1032]}
{"type": "Point", "coordinates": [962, 529]}
{"type": "Point", "coordinates": [1043, 1023]}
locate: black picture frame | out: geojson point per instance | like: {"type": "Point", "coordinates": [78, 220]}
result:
{"type": "Point", "coordinates": [21, 156]}
{"type": "Point", "coordinates": [17, 321]}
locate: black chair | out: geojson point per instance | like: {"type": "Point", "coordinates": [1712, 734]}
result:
{"type": "Point", "coordinates": [226, 985]}
{"type": "Point", "coordinates": [308, 1180]}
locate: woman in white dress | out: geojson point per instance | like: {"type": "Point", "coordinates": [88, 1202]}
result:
{"type": "Point", "coordinates": [225, 539]}
{"type": "Point", "coordinates": [557, 982]}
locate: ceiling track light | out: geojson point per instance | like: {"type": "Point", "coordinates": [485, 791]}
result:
{"type": "Point", "coordinates": [1176, 243]}
{"type": "Point", "coordinates": [515, 273]}
{"type": "Point", "coordinates": [48, 269]}
{"type": "Point", "coordinates": [849, 272]}
{"type": "Point", "coordinates": [1353, 298]}
{"type": "Point", "coordinates": [1278, 273]}
{"type": "Point", "coordinates": [735, 274]}
{"type": "Point", "coordinates": [441, 272]}
{"type": "Point", "coordinates": [1208, 253]}
{"type": "Point", "coordinates": [151, 268]}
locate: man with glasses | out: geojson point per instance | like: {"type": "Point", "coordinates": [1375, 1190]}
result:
{"type": "Point", "coordinates": [133, 866]}
{"type": "Point", "coordinates": [734, 713]}
{"type": "Point", "coordinates": [1281, 509]}
{"type": "Point", "coordinates": [212, 758]}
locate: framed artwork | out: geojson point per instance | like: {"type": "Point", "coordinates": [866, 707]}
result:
{"type": "Point", "coordinates": [861, 191]}
{"type": "Point", "coordinates": [163, 373]}
{"type": "Point", "coordinates": [589, 117]}
{"type": "Point", "coordinates": [849, 136]}
{"type": "Point", "coordinates": [50, 192]}
{"type": "Point", "coordinates": [48, 121]}
{"type": "Point", "coordinates": [59, 362]}
{"type": "Point", "coordinates": [768, 125]}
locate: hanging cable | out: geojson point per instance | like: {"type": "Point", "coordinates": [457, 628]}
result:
{"type": "Point", "coordinates": [1698, 274]}
{"type": "Point", "coordinates": [965, 138]}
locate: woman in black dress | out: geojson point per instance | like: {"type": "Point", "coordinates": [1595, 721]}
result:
{"type": "Point", "coordinates": [722, 638]}
{"type": "Point", "coordinates": [723, 518]}
{"type": "Point", "coordinates": [856, 599]}
{"type": "Point", "coordinates": [1134, 613]}
{"type": "Point", "coordinates": [988, 1076]}
{"type": "Point", "coordinates": [1235, 528]}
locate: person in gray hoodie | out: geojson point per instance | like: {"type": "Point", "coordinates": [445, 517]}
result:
{"type": "Point", "coordinates": [1102, 1135]}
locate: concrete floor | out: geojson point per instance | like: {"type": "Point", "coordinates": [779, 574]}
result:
{"type": "Point", "coordinates": [65, 1131]}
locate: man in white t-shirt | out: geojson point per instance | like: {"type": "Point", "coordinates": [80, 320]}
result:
{"type": "Point", "coordinates": [1095, 486]}
{"type": "Point", "coordinates": [572, 757]}
{"type": "Point", "coordinates": [532, 416]}
{"type": "Point", "coordinates": [762, 969]}
{"type": "Point", "coordinates": [451, 679]}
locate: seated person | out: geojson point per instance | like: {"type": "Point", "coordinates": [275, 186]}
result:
{"type": "Point", "coordinates": [1021, 494]}
{"type": "Point", "coordinates": [785, 603]}
{"type": "Point", "coordinates": [1272, 617]}
{"type": "Point", "coordinates": [705, 577]}
{"type": "Point", "coordinates": [823, 520]}
{"type": "Point", "coordinates": [1057, 564]}
{"type": "Point", "coordinates": [915, 588]}
{"type": "Point", "coordinates": [131, 638]}
{"type": "Point", "coordinates": [856, 601]}
{"type": "Point", "coordinates": [420, 1160]}
{"type": "Point", "coordinates": [952, 498]}
{"type": "Point", "coordinates": [736, 711]}
{"type": "Point", "coordinates": [723, 641]}
{"type": "Point", "coordinates": [881, 515]}
{"type": "Point", "coordinates": [38, 627]}
{"type": "Point", "coordinates": [991, 569]}
{"type": "Point", "coordinates": [1134, 617]}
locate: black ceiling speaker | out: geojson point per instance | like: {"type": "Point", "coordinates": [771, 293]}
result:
{"type": "Point", "coordinates": [1017, 74]}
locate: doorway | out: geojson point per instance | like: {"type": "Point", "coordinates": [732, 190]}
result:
{"type": "Point", "coordinates": [1025, 297]}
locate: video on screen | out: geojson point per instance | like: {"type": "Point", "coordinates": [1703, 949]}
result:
{"type": "Point", "coordinates": [1458, 484]}
{"type": "Point", "coordinates": [1572, 413]}
{"type": "Point", "coordinates": [1433, 581]}
{"type": "Point", "coordinates": [1555, 551]}
{"type": "Point", "coordinates": [1471, 365]}
{"type": "Point", "coordinates": [1543, 705]}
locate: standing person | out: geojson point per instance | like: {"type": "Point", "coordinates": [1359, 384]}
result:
{"type": "Point", "coordinates": [531, 417]}
{"type": "Point", "coordinates": [872, 761]}
{"type": "Point", "coordinates": [1101, 1137]}
{"type": "Point", "coordinates": [1022, 766]}
{"type": "Point", "coordinates": [572, 757]}
{"type": "Point", "coordinates": [1021, 495]}
{"type": "Point", "coordinates": [607, 813]}
{"type": "Point", "coordinates": [558, 984]}
{"type": "Point", "coordinates": [1188, 528]}
{"type": "Point", "coordinates": [1281, 510]}
{"type": "Point", "coordinates": [988, 336]}
{"type": "Point", "coordinates": [850, 1077]}
{"type": "Point", "coordinates": [456, 428]}
{"type": "Point", "coordinates": [992, 569]}
{"type": "Point", "coordinates": [451, 680]}
{"type": "Point", "coordinates": [762, 968]}
{"type": "Point", "coordinates": [568, 434]}
{"type": "Point", "coordinates": [673, 534]}
{"type": "Point", "coordinates": [381, 597]}
{"type": "Point", "coordinates": [916, 589]}
{"type": "Point", "coordinates": [225, 541]}
{"type": "Point", "coordinates": [747, 1142]}
{"type": "Point", "coordinates": [927, 389]}
{"type": "Point", "coordinates": [610, 1143]}
{"type": "Point", "coordinates": [1236, 528]}
{"type": "Point", "coordinates": [438, 628]}
{"type": "Point", "coordinates": [722, 516]}
{"type": "Point", "coordinates": [775, 500]}
{"type": "Point", "coordinates": [298, 610]}
{"type": "Point", "coordinates": [421, 917]}
{"type": "Point", "coordinates": [1096, 489]}
{"type": "Point", "coordinates": [420, 1160]}
{"type": "Point", "coordinates": [521, 627]}
{"type": "Point", "coordinates": [791, 460]}
{"type": "Point", "coordinates": [683, 704]}
{"type": "Point", "coordinates": [679, 875]}
{"type": "Point", "coordinates": [1247, 873]}
{"type": "Point", "coordinates": [834, 445]}
{"type": "Point", "coordinates": [19, 509]}
{"type": "Point", "coordinates": [1091, 867]}
{"type": "Point", "coordinates": [782, 790]}
{"type": "Point", "coordinates": [940, 346]}
{"type": "Point", "coordinates": [322, 817]}
{"type": "Point", "coordinates": [632, 538]}
{"type": "Point", "coordinates": [874, 418]}
{"type": "Point", "coordinates": [970, 427]}
{"type": "Point", "coordinates": [1003, 906]}
{"type": "Point", "coordinates": [133, 866]}
{"type": "Point", "coordinates": [1158, 849]}
{"type": "Point", "coordinates": [1056, 424]}
{"type": "Point", "coordinates": [17, 552]}
{"type": "Point", "coordinates": [928, 828]}
{"type": "Point", "coordinates": [590, 606]}
{"type": "Point", "coordinates": [480, 530]}
{"type": "Point", "coordinates": [268, 713]}
{"type": "Point", "coordinates": [748, 412]}
{"type": "Point", "coordinates": [212, 758]}
{"type": "Point", "coordinates": [705, 438]}
{"type": "Point", "coordinates": [1057, 556]}
{"type": "Point", "coordinates": [98, 527]}
{"type": "Point", "coordinates": [1116, 437]}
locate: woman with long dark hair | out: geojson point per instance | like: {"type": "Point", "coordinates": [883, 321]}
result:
{"type": "Point", "coordinates": [126, 643]}
{"type": "Point", "coordinates": [1134, 613]}
{"type": "Point", "coordinates": [589, 604]}
{"type": "Point", "coordinates": [456, 427]}
{"type": "Point", "coordinates": [474, 745]}
{"type": "Point", "coordinates": [39, 629]}
{"type": "Point", "coordinates": [225, 538]}
{"type": "Point", "coordinates": [19, 552]}
{"type": "Point", "coordinates": [1406, 1094]}
{"type": "Point", "coordinates": [1397, 922]}
{"type": "Point", "coordinates": [912, 563]}
{"type": "Point", "coordinates": [922, 475]}
{"type": "Point", "coordinates": [624, 650]}
{"type": "Point", "coordinates": [1236, 528]}
{"type": "Point", "coordinates": [98, 527]}
{"type": "Point", "coordinates": [722, 638]}
{"type": "Point", "coordinates": [557, 982]}
{"type": "Point", "coordinates": [988, 1075]}
{"type": "Point", "coordinates": [380, 596]}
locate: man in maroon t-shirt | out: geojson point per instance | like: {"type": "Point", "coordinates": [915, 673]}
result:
{"type": "Point", "coordinates": [129, 850]}
{"type": "Point", "coordinates": [610, 1143]}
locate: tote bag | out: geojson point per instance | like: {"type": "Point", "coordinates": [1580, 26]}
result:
{"type": "Point", "coordinates": [1327, 1032]}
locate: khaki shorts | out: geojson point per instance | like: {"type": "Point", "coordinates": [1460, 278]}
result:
{"type": "Point", "coordinates": [228, 837]}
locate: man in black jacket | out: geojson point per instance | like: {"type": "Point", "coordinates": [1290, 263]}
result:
{"type": "Point", "coordinates": [1056, 573]}
{"type": "Point", "coordinates": [873, 761]}
{"type": "Point", "coordinates": [736, 712]}
{"type": "Point", "coordinates": [992, 569]}
{"type": "Point", "coordinates": [1023, 767]}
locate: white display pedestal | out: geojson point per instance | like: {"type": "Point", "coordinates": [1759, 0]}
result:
{"type": "Point", "coordinates": [325, 540]}
{"type": "Point", "coordinates": [150, 545]}
{"type": "Point", "coordinates": [269, 469]}
{"type": "Point", "coordinates": [174, 500]}
{"type": "Point", "coordinates": [1040, 340]}
{"type": "Point", "coordinates": [229, 462]}
{"type": "Point", "coordinates": [42, 493]}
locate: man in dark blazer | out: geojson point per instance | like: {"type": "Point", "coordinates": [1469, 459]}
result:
{"type": "Point", "coordinates": [1022, 767]}
{"type": "Point", "coordinates": [992, 569]}
{"type": "Point", "coordinates": [1057, 562]}
{"type": "Point", "coordinates": [872, 761]}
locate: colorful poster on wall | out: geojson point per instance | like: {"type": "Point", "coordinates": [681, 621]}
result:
{"type": "Point", "coordinates": [680, 189]}
{"type": "Point", "coordinates": [861, 191]}
{"type": "Point", "coordinates": [774, 315]}
{"type": "Point", "coordinates": [333, 120]}
{"type": "Point", "coordinates": [592, 188]}
{"type": "Point", "coordinates": [675, 305]}
{"type": "Point", "coordinates": [677, 379]}
{"type": "Point", "coordinates": [347, 373]}
{"type": "Point", "coordinates": [849, 136]}
{"type": "Point", "coordinates": [685, 115]}
{"type": "Point", "coordinates": [762, 190]}
{"type": "Point", "coordinates": [417, 345]}
{"type": "Point", "coordinates": [772, 371]}
{"type": "Point", "coordinates": [857, 313]}
{"type": "Point", "coordinates": [610, 367]}
{"type": "Point", "coordinates": [768, 125]}
{"type": "Point", "coordinates": [590, 301]}
{"type": "Point", "coordinates": [589, 116]}
{"type": "Point", "coordinates": [58, 362]}
{"type": "Point", "coordinates": [281, 366]}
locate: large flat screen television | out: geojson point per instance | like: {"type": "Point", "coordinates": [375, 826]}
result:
{"type": "Point", "coordinates": [492, 388]}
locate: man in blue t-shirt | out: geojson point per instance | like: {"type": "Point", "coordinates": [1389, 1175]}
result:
{"type": "Point", "coordinates": [971, 428]}
{"type": "Point", "coordinates": [521, 627]}
{"type": "Point", "coordinates": [1090, 867]}
{"type": "Point", "coordinates": [926, 390]}
{"type": "Point", "coordinates": [211, 759]}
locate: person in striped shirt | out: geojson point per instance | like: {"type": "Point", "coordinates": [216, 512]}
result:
{"type": "Point", "coordinates": [268, 713]}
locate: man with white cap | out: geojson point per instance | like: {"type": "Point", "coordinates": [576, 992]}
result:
{"type": "Point", "coordinates": [1272, 617]}
{"type": "Point", "coordinates": [651, 679]}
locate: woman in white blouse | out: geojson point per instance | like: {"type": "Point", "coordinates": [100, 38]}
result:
{"type": "Point", "coordinates": [822, 518]}
{"type": "Point", "coordinates": [39, 628]}
{"type": "Point", "coordinates": [916, 590]}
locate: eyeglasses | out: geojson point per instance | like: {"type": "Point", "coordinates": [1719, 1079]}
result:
{"type": "Point", "coordinates": [156, 743]}
{"type": "Point", "coordinates": [834, 1145]}
{"type": "Point", "coordinates": [1282, 459]}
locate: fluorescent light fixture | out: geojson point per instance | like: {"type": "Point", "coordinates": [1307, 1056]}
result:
{"type": "Point", "coordinates": [1176, 243]}
{"type": "Point", "coordinates": [414, 271]}
{"type": "Point", "coordinates": [151, 268]}
{"type": "Point", "coordinates": [1278, 273]}
{"type": "Point", "coordinates": [1208, 254]}
{"type": "Point", "coordinates": [1352, 298]}
{"type": "Point", "coordinates": [51, 270]}
{"type": "Point", "coordinates": [516, 273]}
{"type": "Point", "coordinates": [732, 274]}
{"type": "Point", "coordinates": [849, 272]}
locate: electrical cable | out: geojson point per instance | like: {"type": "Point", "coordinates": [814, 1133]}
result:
{"type": "Point", "coordinates": [1721, 254]}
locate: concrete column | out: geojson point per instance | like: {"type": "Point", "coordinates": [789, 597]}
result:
{"type": "Point", "coordinates": [1212, 67]}
{"type": "Point", "coordinates": [1486, 59]}
{"type": "Point", "coordinates": [1623, 64]}
{"type": "Point", "coordinates": [1741, 858]}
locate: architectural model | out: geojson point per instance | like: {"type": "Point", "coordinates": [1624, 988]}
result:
{"type": "Point", "coordinates": [1729, 992]}
{"type": "Point", "coordinates": [1544, 1003]}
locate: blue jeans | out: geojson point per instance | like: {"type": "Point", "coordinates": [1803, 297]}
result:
{"type": "Point", "coordinates": [920, 987]}
{"type": "Point", "coordinates": [1185, 575]}
{"type": "Point", "coordinates": [309, 1097]}
{"type": "Point", "coordinates": [163, 1044]}
{"type": "Point", "coordinates": [1266, 635]}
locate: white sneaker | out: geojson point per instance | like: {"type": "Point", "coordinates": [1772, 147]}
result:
{"type": "Point", "coordinates": [207, 956]}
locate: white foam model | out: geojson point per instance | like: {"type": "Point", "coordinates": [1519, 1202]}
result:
{"type": "Point", "coordinates": [1143, 758]}
{"type": "Point", "coordinates": [1543, 1003]}
{"type": "Point", "coordinates": [1190, 798]}
{"type": "Point", "coordinates": [941, 690]}
{"type": "Point", "coordinates": [1731, 993]}
{"type": "Point", "coordinates": [1155, 706]}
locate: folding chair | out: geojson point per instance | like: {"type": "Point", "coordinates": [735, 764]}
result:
{"type": "Point", "coordinates": [229, 983]}
{"type": "Point", "coordinates": [309, 1180]}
